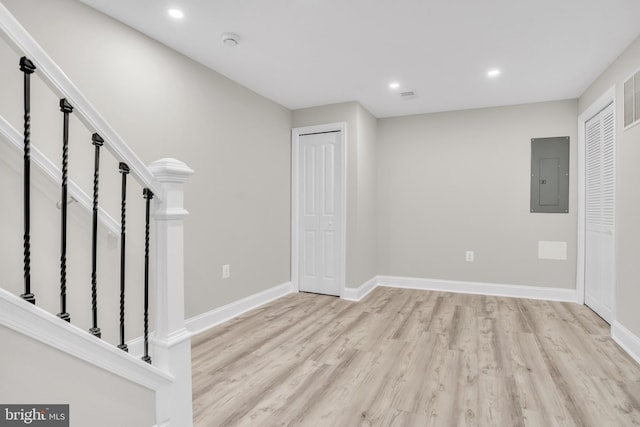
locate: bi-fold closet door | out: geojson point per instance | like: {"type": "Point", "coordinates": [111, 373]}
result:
{"type": "Point", "coordinates": [600, 213]}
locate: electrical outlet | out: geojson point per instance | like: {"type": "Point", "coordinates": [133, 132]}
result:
{"type": "Point", "coordinates": [468, 256]}
{"type": "Point", "coordinates": [226, 271]}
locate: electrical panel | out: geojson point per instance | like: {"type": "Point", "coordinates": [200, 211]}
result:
{"type": "Point", "coordinates": [550, 175]}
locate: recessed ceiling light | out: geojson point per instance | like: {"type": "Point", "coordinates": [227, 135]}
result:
{"type": "Point", "coordinates": [394, 85]}
{"type": "Point", "coordinates": [494, 72]}
{"type": "Point", "coordinates": [176, 13]}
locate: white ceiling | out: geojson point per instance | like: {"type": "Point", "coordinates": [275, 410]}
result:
{"type": "Point", "coordinates": [303, 53]}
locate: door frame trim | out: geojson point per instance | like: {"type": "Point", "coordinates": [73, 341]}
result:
{"type": "Point", "coordinates": [608, 97]}
{"type": "Point", "coordinates": [295, 199]}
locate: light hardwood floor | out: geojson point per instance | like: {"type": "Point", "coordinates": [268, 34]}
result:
{"type": "Point", "coordinates": [414, 358]}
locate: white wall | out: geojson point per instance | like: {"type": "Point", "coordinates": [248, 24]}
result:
{"type": "Point", "coordinates": [365, 244]}
{"type": "Point", "coordinates": [458, 181]}
{"type": "Point", "coordinates": [166, 105]}
{"type": "Point", "coordinates": [34, 373]}
{"type": "Point", "coordinates": [627, 194]}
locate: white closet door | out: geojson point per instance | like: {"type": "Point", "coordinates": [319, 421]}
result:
{"type": "Point", "coordinates": [600, 213]}
{"type": "Point", "coordinates": [320, 208]}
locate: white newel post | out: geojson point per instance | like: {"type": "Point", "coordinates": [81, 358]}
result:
{"type": "Point", "coordinates": [172, 342]}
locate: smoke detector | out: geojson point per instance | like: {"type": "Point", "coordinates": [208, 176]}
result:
{"type": "Point", "coordinates": [230, 39]}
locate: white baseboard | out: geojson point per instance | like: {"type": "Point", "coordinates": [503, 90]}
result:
{"type": "Point", "coordinates": [480, 288]}
{"type": "Point", "coordinates": [627, 340]}
{"type": "Point", "coordinates": [356, 294]}
{"type": "Point", "coordinates": [222, 314]}
{"type": "Point", "coordinates": [204, 321]}
{"type": "Point", "coordinates": [208, 320]}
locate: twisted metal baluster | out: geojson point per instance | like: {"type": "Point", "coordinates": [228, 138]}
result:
{"type": "Point", "coordinates": [27, 67]}
{"type": "Point", "coordinates": [66, 109]}
{"type": "Point", "coordinates": [124, 170]}
{"type": "Point", "coordinates": [97, 141]}
{"type": "Point", "coordinates": [148, 195]}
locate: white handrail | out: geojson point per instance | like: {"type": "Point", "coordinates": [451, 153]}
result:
{"type": "Point", "coordinates": [14, 138]}
{"type": "Point", "coordinates": [21, 41]}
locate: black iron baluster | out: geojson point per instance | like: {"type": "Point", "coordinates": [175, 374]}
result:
{"type": "Point", "coordinates": [124, 170]}
{"type": "Point", "coordinates": [27, 67]}
{"type": "Point", "coordinates": [148, 195]}
{"type": "Point", "coordinates": [97, 142]}
{"type": "Point", "coordinates": [66, 109]}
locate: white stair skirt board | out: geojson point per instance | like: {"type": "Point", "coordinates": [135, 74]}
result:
{"type": "Point", "coordinates": [202, 322]}
{"type": "Point", "coordinates": [40, 325]}
{"type": "Point", "coordinates": [356, 294]}
{"type": "Point", "coordinates": [627, 340]}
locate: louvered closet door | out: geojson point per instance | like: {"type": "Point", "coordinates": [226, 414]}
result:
{"type": "Point", "coordinates": [600, 213]}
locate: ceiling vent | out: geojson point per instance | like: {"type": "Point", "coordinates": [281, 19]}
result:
{"type": "Point", "coordinates": [632, 100]}
{"type": "Point", "coordinates": [408, 94]}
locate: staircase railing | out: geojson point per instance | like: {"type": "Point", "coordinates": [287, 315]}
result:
{"type": "Point", "coordinates": [162, 183]}
{"type": "Point", "coordinates": [75, 193]}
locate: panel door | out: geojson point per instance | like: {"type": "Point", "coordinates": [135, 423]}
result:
{"type": "Point", "coordinates": [320, 207]}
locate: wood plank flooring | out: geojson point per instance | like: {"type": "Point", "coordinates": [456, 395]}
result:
{"type": "Point", "coordinates": [414, 358]}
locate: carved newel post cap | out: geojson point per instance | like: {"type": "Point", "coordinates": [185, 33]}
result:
{"type": "Point", "coordinates": [170, 170]}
